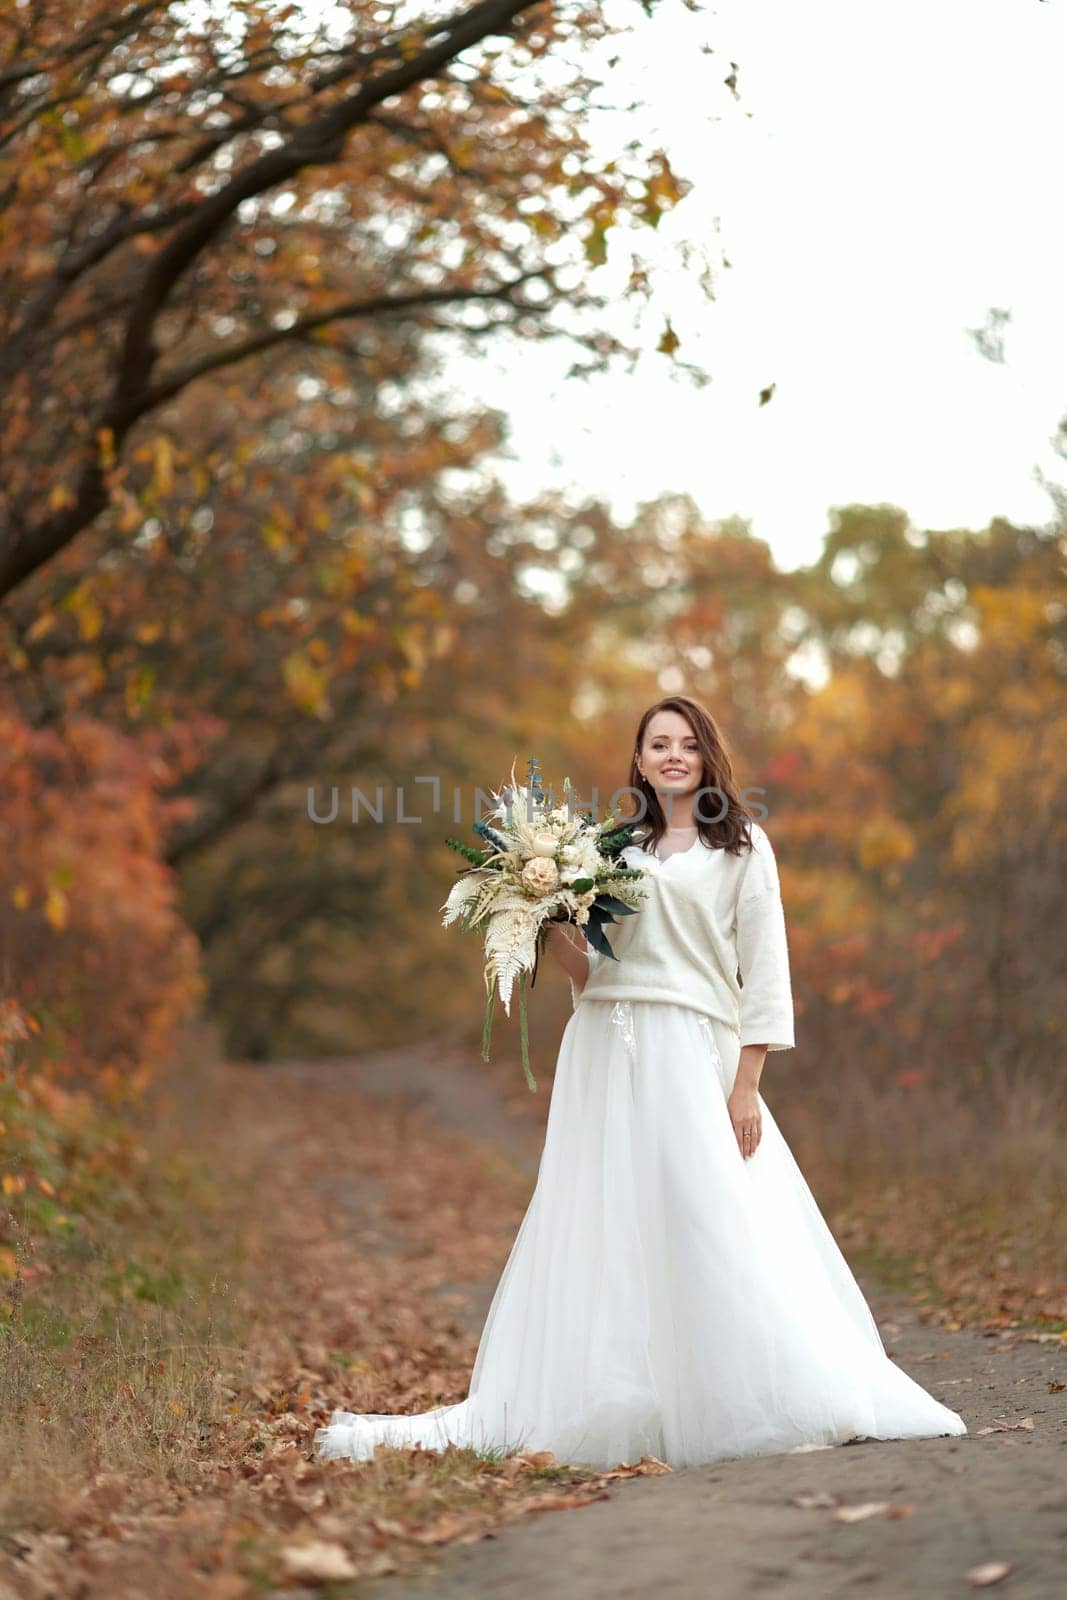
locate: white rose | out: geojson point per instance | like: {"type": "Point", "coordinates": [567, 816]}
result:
{"type": "Point", "coordinates": [590, 863]}
{"type": "Point", "coordinates": [540, 875]}
{"type": "Point", "coordinates": [545, 844]}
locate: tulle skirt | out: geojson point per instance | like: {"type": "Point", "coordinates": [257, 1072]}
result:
{"type": "Point", "coordinates": [664, 1295]}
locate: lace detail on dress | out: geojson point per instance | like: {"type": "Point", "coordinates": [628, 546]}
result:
{"type": "Point", "coordinates": [709, 1034]}
{"type": "Point", "coordinates": [622, 1014]}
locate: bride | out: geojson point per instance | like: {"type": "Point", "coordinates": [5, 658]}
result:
{"type": "Point", "coordinates": [673, 1289]}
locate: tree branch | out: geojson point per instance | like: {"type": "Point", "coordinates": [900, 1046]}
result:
{"type": "Point", "coordinates": [317, 143]}
{"type": "Point", "coordinates": [170, 385]}
{"type": "Point", "coordinates": [120, 28]}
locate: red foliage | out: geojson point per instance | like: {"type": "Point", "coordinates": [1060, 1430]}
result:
{"type": "Point", "coordinates": [91, 939]}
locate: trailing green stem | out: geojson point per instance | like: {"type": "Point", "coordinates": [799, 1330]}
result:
{"type": "Point", "coordinates": [524, 1033]}
{"type": "Point", "coordinates": [487, 1025]}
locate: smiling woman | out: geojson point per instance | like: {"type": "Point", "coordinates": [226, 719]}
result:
{"type": "Point", "coordinates": [673, 1289]}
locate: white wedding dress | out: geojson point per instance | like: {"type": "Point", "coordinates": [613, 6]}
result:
{"type": "Point", "coordinates": [664, 1295]}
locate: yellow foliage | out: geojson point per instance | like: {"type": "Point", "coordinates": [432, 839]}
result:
{"type": "Point", "coordinates": [131, 516]}
{"type": "Point", "coordinates": [414, 650]}
{"type": "Point", "coordinates": [308, 686]}
{"type": "Point", "coordinates": [106, 441]}
{"type": "Point", "coordinates": [163, 462]}
{"type": "Point", "coordinates": [90, 621]}
{"type": "Point", "coordinates": [1014, 615]}
{"type": "Point", "coordinates": [57, 909]}
{"type": "Point", "coordinates": [884, 841]}
{"type": "Point", "coordinates": [43, 625]}
{"type": "Point", "coordinates": [355, 624]}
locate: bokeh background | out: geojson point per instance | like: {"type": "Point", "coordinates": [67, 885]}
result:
{"type": "Point", "coordinates": [382, 401]}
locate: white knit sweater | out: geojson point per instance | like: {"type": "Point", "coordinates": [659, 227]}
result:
{"type": "Point", "coordinates": [710, 935]}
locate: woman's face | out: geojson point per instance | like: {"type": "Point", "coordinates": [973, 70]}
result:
{"type": "Point", "coordinates": [669, 758]}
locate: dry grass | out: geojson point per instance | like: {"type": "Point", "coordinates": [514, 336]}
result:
{"type": "Point", "coordinates": [287, 1248]}
{"type": "Point", "coordinates": [955, 1188]}
{"type": "Point", "coordinates": [119, 1337]}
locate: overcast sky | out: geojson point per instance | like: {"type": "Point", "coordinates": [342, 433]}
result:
{"type": "Point", "coordinates": [889, 173]}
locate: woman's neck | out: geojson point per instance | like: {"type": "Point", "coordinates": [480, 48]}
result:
{"type": "Point", "coordinates": [674, 830]}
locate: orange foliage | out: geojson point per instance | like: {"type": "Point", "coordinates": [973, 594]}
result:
{"type": "Point", "coordinates": [91, 938]}
{"type": "Point", "coordinates": [323, 185]}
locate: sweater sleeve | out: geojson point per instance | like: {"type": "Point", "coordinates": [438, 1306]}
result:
{"type": "Point", "coordinates": [763, 959]}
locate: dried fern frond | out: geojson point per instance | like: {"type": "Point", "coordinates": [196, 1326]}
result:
{"type": "Point", "coordinates": [462, 892]}
{"type": "Point", "coordinates": [511, 945]}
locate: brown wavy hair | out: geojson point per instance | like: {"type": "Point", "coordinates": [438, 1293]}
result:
{"type": "Point", "coordinates": [732, 829]}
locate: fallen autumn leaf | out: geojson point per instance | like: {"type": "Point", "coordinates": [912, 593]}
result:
{"type": "Point", "coordinates": [989, 1572]}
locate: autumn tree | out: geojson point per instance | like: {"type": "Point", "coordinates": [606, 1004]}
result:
{"type": "Point", "coordinates": [925, 789]}
{"type": "Point", "coordinates": [182, 199]}
{"type": "Point", "coordinates": [312, 933]}
{"type": "Point", "coordinates": [92, 937]}
{"type": "Point", "coordinates": [232, 260]}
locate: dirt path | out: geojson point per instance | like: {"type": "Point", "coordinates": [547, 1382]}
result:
{"type": "Point", "coordinates": [736, 1529]}
{"type": "Point", "coordinates": [768, 1525]}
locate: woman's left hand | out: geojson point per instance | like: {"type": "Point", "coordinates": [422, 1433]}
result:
{"type": "Point", "coordinates": [743, 1106]}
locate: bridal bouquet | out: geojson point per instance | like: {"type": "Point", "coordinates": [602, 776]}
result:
{"type": "Point", "coordinates": [540, 864]}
